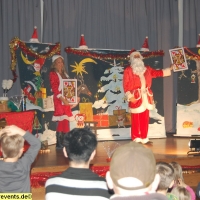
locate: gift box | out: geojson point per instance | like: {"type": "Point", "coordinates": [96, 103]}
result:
{"type": "Point", "coordinates": [127, 119]}
{"type": "Point", "coordinates": [119, 111]}
{"type": "Point", "coordinates": [86, 108]}
{"type": "Point", "coordinates": [112, 120]}
{"type": "Point", "coordinates": [103, 120]}
{"type": "Point", "coordinates": [44, 92]}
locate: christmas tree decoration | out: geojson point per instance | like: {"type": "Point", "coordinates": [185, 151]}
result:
{"type": "Point", "coordinates": [96, 96]}
{"type": "Point", "coordinates": [193, 78]}
{"type": "Point", "coordinates": [36, 123]}
{"type": "Point", "coordinates": [82, 44]}
{"type": "Point", "coordinates": [99, 85]}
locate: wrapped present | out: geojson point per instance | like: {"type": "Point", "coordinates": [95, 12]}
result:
{"type": "Point", "coordinates": [38, 94]}
{"type": "Point", "coordinates": [127, 119]}
{"type": "Point", "coordinates": [103, 120]}
{"type": "Point", "coordinates": [112, 120]}
{"type": "Point", "coordinates": [86, 108]}
{"type": "Point", "coordinates": [44, 92]}
{"type": "Point", "coordinates": [48, 102]}
{"type": "Point", "coordinates": [119, 111]}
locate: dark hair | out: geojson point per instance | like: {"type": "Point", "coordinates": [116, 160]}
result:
{"type": "Point", "coordinates": [166, 173]}
{"type": "Point", "coordinates": [79, 144]}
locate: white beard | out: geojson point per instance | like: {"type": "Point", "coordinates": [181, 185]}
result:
{"type": "Point", "coordinates": [137, 66]}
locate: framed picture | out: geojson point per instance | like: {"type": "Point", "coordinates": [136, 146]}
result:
{"type": "Point", "coordinates": [69, 90]}
{"type": "Point", "coordinates": [178, 59]}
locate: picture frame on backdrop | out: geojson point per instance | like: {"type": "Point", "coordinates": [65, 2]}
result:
{"type": "Point", "coordinates": [69, 90]}
{"type": "Point", "coordinates": [178, 59]}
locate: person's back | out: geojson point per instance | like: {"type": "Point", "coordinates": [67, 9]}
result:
{"type": "Point", "coordinates": [132, 174]}
{"type": "Point", "coordinates": [166, 173]}
{"type": "Point", "coordinates": [15, 171]}
{"type": "Point", "coordinates": [78, 181]}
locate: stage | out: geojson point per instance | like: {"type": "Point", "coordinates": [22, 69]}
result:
{"type": "Point", "coordinates": [167, 149]}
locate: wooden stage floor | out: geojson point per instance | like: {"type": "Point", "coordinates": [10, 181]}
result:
{"type": "Point", "coordinates": [167, 149]}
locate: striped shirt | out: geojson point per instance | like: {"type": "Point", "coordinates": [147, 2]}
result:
{"type": "Point", "coordinates": [77, 183]}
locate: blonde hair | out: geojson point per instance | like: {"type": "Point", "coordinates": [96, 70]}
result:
{"type": "Point", "coordinates": [166, 173]}
{"type": "Point", "coordinates": [178, 173]}
{"type": "Point", "coordinates": [11, 145]}
{"type": "Point", "coordinates": [181, 193]}
{"type": "Point", "coordinates": [54, 69]}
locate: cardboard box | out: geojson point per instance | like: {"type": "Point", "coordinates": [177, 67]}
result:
{"type": "Point", "coordinates": [44, 92]}
{"type": "Point", "coordinates": [86, 108]}
{"type": "Point", "coordinates": [119, 112]}
{"type": "Point", "coordinates": [127, 119]}
{"type": "Point", "coordinates": [113, 120]}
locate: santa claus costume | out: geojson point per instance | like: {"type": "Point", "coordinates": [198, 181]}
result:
{"type": "Point", "coordinates": [62, 112]}
{"type": "Point", "coordinates": [137, 81]}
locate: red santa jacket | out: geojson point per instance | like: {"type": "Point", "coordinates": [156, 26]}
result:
{"type": "Point", "coordinates": [61, 111]}
{"type": "Point", "coordinates": [139, 87]}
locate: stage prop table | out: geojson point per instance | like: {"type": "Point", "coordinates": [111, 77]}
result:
{"type": "Point", "coordinates": [92, 125]}
{"type": "Point", "coordinates": [23, 119]}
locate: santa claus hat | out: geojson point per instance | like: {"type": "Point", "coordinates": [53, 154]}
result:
{"type": "Point", "coordinates": [198, 44]}
{"type": "Point", "coordinates": [40, 61]}
{"type": "Point", "coordinates": [38, 64]}
{"type": "Point", "coordinates": [145, 46]}
{"type": "Point", "coordinates": [34, 37]}
{"type": "Point", "coordinates": [134, 52]}
{"type": "Point", "coordinates": [82, 44]}
{"type": "Point", "coordinates": [56, 57]}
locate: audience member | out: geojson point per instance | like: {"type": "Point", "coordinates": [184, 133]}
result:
{"type": "Point", "coordinates": [166, 173]}
{"type": "Point", "coordinates": [132, 173]}
{"type": "Point", "coordinates": [78, 181]}
{"type": "Point", "coordinates": [14, 169]}
{"type": "Point", "coordinates": [181, 192]}
{"type": "Point", "coordinates": [179, 181]}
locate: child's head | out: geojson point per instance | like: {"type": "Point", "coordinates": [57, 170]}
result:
{"type": "Point", "coordinates": [166, 173]}
{"type": "Point", "coordinates": [181, 192]}
{"type": "Point", "coordinates": [12, 146]}
{"type": "Point", "coordinates": [178, 173]}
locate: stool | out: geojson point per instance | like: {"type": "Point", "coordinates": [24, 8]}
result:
{"type": "Point", "coordinates": [92, 125]}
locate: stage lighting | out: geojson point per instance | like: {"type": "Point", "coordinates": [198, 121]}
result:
{"type": "Point", "coordinates": [194, 145]}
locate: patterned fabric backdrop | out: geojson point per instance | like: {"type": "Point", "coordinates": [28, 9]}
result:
{"type": "Point", "coordinates": [188, 112]}
{"type": "Point", "coordinates": [34, 62]}
{"type": "Point", "coordinates": [100, 73]}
